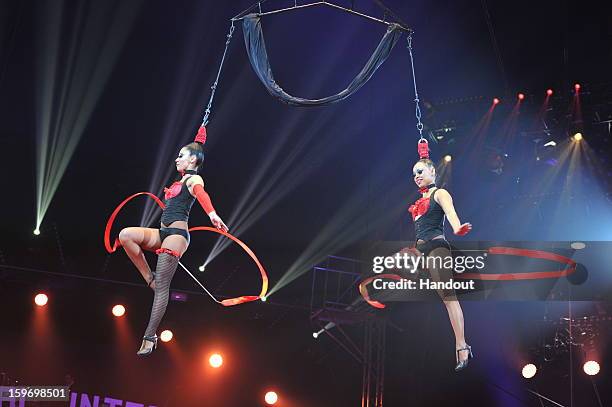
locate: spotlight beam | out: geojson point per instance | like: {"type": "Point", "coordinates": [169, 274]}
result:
{"type": "Point", "coordinates": [182, 115]}
{"type": "Point", "coordinates": [249, 210]}
{"type": "Point", "coordinates": [95, 44]}
{"type": "Point", "coordinates": [343, 229]}
{"type": "Point", "coordinates": [285, 178]}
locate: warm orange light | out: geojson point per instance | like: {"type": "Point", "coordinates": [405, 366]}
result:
{"type": "Point", "coordinates": [215, 360]}
{"type": "Point", "coordinates": [166, 335]}
{"type": "Point", "coordinates": [577, 136]}
{"type": "Point", "coordinates": [271, 398]}
{"type": "Point", "coordinates": [118, 310]}
{"type": "Point", "coordinates": [41, 299]}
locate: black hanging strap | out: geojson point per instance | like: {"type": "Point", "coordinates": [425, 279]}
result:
{"type": "Point", "coordinates": [256, 49]}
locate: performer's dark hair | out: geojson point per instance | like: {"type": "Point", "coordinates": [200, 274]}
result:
{"type": "Point", "coordinates": [197, 150]}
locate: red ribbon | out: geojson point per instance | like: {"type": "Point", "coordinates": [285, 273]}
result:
{"type": "Point", "coordinates": [509, 251]}
{"type": "Point", "coordinates": [364, 291]}
{"type": "Point", "coordinates": [533, 275]}
{"type": "Point", "coordinates": [111, 220]}
{"type": "Point", "coordinates": [228, 302]}
{"type": "Point", "coordinates": [264, 277]}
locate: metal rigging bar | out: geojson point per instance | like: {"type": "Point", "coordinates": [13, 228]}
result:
{"type": "Point", "coordinates": [296, 6]}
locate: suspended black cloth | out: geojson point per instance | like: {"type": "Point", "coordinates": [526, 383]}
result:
{"type": "Point", "coordinates": [256, 49]}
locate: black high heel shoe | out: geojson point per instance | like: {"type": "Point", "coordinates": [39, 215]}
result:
{"type": "Point", "coordinates": [462, 364]}
{"type": "Point", "coordinates": [146, 352]}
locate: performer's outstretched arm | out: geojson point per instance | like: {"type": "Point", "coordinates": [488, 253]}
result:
{"type": "Point", "coordinates": [446, 202]}
{"type": "Point", "coordinates": [197, 190]}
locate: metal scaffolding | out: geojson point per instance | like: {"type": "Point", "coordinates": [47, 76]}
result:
{"type": "Point", "coordinates": [335, 304]}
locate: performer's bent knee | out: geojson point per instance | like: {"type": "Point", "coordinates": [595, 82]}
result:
{"type": "Point", "coordinates": [126, 235]}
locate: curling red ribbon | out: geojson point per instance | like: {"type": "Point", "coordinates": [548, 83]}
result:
{"type": "Point", "coordinates": [264, 277]}
{"type": "Point", "coordinates": [228, 302]}
{"type": "Point", "coordinates": [111, 220]}
{"type": "Point", "coordinates": [364, 291]}
{"type": "Point", "coordinates": [509, 251]}
{"type": "Point", "coordinates": [533, 275]}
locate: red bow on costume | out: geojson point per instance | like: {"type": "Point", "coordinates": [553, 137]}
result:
{"type": "Point", "coordinates": [420, 208]}
{"type": "Point", "coordinates": [173, 191]}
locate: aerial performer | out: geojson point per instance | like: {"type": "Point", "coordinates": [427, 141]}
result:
{"type": "Point", "coordinates": [428, 214]}
{"type": "Point", "coordinates": [171, 240]}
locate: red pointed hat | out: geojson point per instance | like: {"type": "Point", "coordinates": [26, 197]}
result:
{"type": "Point", "coordinates": [201, 136]}
{"type": "Point", "coordinates": [423, 148]}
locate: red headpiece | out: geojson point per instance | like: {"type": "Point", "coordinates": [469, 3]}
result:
{"type": "Point", "coordinates": [423, 148]}
{"type": "Point", "coordinates": [201, 136]}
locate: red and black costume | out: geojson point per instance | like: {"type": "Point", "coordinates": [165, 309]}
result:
{"type": "Point", "coordinates": [428, 217]}
{"type": "Point", "coordinates": [178, 203]}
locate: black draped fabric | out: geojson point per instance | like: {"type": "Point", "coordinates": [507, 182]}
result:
{"type": "Point", "coordinates": [256, 49]}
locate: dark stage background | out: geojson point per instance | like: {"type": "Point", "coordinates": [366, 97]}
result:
{"type": "Point", "coordinates": [129, 82]}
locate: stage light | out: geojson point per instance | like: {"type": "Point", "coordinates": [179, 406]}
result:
{"type": "Point", "coordinates": [215, 360]}
{"type": "Point", "coordinates": [577, 137]}
{"type": "Point", "coordinates": [549, 92]}
{"type": "Point", "coordinates": [67, 97]}
{"type": "Point", "coordinates": [166, 335]}
{"type": "Point", "coordinates": [448, 158]}
{"type": "Point", "coordinates": [264, 299]}
{"type": "Point", "coordinates": [118, 310]}
{"type": "Point", "coordinates": [551, 143]}
{"type": "Point", "coordinates": [37, 231]}
{"type": "Point", "coordinates": [271, 398]}
{"type": "Point", "coordinates": [577, 87]}
{"type": "Point", "coordinates": [521, 96]}
{"type": "Point", "coordinates": [529, 371]}
{"type": "Point", "coordinates": [496, 101]}
{"type": "Point", "coordinates": [202, 267]}
{"type": "Point", "coordinates": [591, 368]}
{"type": "Point", "coordinates": [41, 299]}
{"type": "Point", "coordinates": [315, 335]}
